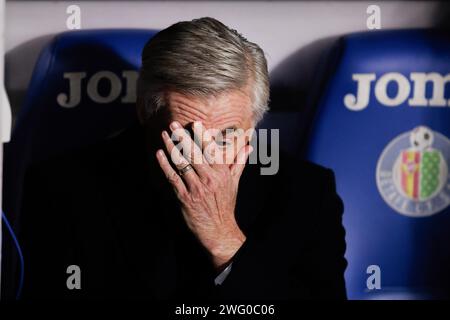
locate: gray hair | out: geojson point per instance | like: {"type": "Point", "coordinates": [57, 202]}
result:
{"type": "Point", "coordinates": [203, 58]}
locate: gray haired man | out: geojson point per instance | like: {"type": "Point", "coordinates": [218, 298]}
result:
{"type": "Point", "coordinates": [170, 208]}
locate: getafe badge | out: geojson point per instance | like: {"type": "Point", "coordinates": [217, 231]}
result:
{"type": "Point", "coordinates": [412, 173]}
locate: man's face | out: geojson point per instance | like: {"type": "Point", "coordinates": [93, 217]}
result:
{"type": "Point", "coordinates": [227, 119]}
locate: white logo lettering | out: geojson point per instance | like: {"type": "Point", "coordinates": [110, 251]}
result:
{"type": "Point", "coordinates": [73, 98]}
{"type": "Point", "coordinates": [361, 100]}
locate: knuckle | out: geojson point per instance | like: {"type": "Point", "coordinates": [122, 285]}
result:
{"type": "Point", "coordinates": [214, 184]}
{"type": "Point", "coordinates": [181, 164]}
{"type": "Point", "coordinates": [197, 194]}
{"type": "Point", "coordinates": [174, 178]}
{"type": "Point", "coordinates": [210, 183]}
{"type": "Point", "coordinates": [183, 196]}
{"type": "Point", "coordinates": [222, 175]}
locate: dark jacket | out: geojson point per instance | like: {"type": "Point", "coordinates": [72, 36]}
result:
{"type": "Point", "coordinates": [109, 210]}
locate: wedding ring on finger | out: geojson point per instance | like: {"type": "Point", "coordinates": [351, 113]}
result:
{"type": "Point", "coordinates": [185, 169]}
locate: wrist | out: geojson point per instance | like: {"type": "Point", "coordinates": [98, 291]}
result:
{"type": "Point", "coordinates": [226, 247]}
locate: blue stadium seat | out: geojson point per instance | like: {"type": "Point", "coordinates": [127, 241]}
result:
{"type": "Point", "coordinates": [383, 125]}
{"type": "Point", "coordinates": [83, 90]}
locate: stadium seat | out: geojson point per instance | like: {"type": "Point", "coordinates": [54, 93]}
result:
{"type": "Point", "coordinates": [382, 123]}
{"type": "Point", "coordinates": [83, 90]}
{"type": "Point", "coordinates": [381, 118]}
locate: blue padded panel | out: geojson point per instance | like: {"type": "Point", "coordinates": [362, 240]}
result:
{"type": "Point", "coordinates": [410, 245]}
{"type": "Point", "coordinates": [46, 126]}
{"type": "Point", "coordinates": [56, 128]}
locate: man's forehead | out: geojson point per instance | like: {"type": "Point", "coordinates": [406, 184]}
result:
{"type": "Point", "coordinates": [226, 110]}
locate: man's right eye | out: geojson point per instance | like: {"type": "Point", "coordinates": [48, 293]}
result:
{"type": "Point", "coordinates": [223, 142]}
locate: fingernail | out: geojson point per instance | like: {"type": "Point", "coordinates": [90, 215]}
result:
{"type": "Point", "coordinates": [174, 125]}
{"type": "Point", "coordinates": [165, 134]}
{"type": "Point", "coordinates": [159, 153]}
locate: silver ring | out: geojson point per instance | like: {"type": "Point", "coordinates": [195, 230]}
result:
{"type": "Point", "coordinates": [185, 169]}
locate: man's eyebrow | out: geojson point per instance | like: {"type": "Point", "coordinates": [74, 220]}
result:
{"type": "Point", "coordinates": [232, 128]}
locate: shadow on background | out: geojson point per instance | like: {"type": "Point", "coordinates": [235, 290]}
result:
{"type": "Point", "coordinates": [295, 87]}
{"type": "Point", "coordinates": [19, 65]}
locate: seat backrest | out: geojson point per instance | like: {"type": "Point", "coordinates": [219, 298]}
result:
{"type": "Point", "coordinates": [83, 90]}
{"type": "Point", "coordinates": [383, 126]}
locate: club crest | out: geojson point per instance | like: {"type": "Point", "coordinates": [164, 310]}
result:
{"type": "Point", "coordinates": [412, 173]}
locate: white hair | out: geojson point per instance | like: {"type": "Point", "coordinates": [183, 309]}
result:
{"type": "Point", "coordinates": [204, 58]}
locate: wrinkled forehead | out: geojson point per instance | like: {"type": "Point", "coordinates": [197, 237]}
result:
{"type": "Point", "coordinates": [226, 110]}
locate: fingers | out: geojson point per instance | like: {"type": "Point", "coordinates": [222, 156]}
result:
{"type": "Point", "coordinates": [218, 147]}
{"type": "Point", "coordinates": [203, 162]}
{"type": "Point", "coordinates": [173, 177]}
{"type": "Point", "coordinates": [240, 141]}
{"type": "Point", "coordinates": [178, 159]}
{"type": "Point", "coordinates": [191, 151]}
{"type": "Point", "coordinates": [241, 159]}
{"type": "Point", "coordinates": [201, 134]}
{"type": "Point", "coordinates": [205, 139]}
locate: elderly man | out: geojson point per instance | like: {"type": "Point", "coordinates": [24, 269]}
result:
{"type": "Point", "coordinates": [170, 208]}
